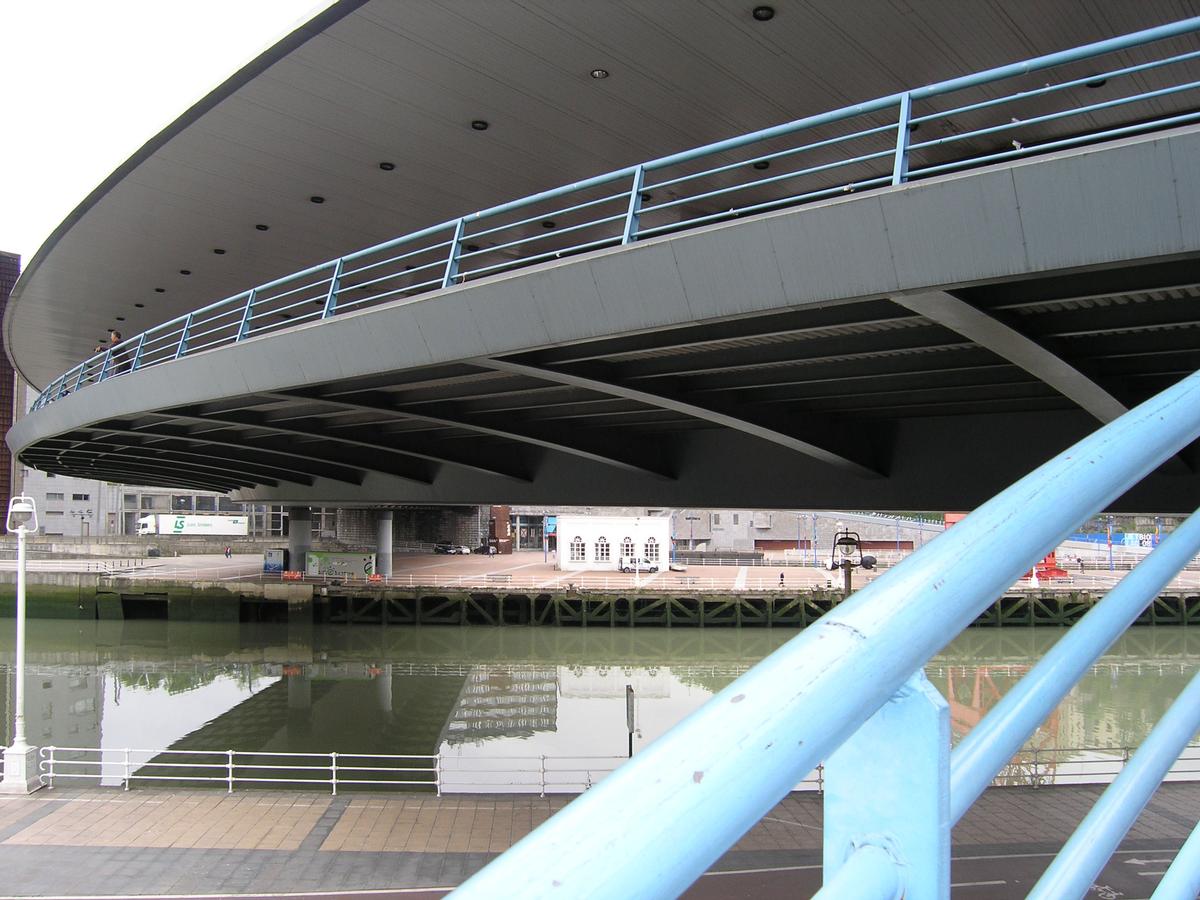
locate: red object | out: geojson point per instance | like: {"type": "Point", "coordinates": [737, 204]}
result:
{"type": "Point", "coordinates": [1049, 570]}
{"type": "Point", "coordinates": [374, 578]}
{"type": "Point", "coordinates": [293, 670]}
{"type": "Point", "coordinates": [293, 576]}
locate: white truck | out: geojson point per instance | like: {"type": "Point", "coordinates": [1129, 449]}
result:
{"type": "Point", "coordinates": [223, 526]}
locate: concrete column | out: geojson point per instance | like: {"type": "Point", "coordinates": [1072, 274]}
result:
{"type": "Point", "coordinates": [383, 542]}
{"type": "Point", "coordinates": [299, 536]}
{"type": "Point", "coordinates": [383, 688]}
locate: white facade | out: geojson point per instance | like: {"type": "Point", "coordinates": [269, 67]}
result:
{"type": "Point", "coordinates": [597, 543]}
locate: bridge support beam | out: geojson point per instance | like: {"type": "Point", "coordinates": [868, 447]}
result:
{"type": "Point", "coordinates": [383, 542]}
{"type": "Point", "coordinates": [299, 536]}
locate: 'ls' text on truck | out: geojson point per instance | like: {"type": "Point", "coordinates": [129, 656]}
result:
{"type": "Point", "coordinates": [224, 526]}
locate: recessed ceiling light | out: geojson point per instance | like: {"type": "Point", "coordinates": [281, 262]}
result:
{"type": "Point", "coordinates": [647, 197]}
{"type": "Point", "coordinates": [472, 248]}
{"type": "Point", "coordinates": [479, 125]}
{"type": "Point", "coordinates": [763, 13]}
{"type": "Point", "coordinates": [160, 290]}
{"type": "Point", "coordinates": [120, 318]}
{"type": "Point", "coordinates": [316, 198]}
{"type": "Point", "coordinates": [387, 166]}
{"type": "Point", "coordinates": [185, 271]}
{"type": "Point", "coordinates": [1097, 82]}
{"type": "Point", "coordinates": [599, 74]}
{"type": "Point", "coordinates": [762, 164]}
{"type": "Point", "coordinates": [548, 223]}
{"type": "Point", "coordinates": [261, 227]}
{"type": "Point", "coordinates": [284, 316]}
{"type": "Point", "coordinates": [139, 305]}
{"type": "Point", "coordinates": [218, 251]}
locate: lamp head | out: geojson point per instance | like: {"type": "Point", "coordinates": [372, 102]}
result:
{"type": "Point", "coordinates": [22, 513]}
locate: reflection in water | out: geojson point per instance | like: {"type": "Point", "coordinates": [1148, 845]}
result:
{"type": "Point", "coordinates": [475, 693]}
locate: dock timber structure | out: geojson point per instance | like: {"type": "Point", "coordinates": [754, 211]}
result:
{"type": "Point", "coordinates": [90, 596]}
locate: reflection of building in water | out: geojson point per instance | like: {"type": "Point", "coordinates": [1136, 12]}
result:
{"type": "Point", "coordinates": [61, 707]}
{"type": "Point", "coordinates": [512, 702]}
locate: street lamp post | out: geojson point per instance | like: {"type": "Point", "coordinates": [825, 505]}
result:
{"type": "Point", "coordinates": [20, 760]}
{"type": "Point", "coordinates": [847, 555]}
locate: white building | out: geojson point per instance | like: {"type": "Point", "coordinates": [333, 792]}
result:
{"type": "Point", "coordinates": [599, 542]}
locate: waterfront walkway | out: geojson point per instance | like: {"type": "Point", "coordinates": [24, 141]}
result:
{"type": "Point", "coordinates": [87, 842]}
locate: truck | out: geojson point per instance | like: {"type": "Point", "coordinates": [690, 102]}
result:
{"type": "Point", "coordinates": [223, 526]}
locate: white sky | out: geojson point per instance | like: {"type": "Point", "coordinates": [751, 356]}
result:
{"type": "Point", "coordinates": [87, 82]}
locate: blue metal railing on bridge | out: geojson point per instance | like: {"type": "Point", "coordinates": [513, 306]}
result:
{"type": "Point", "coordinates": [850, 691]}
{"type": "Point", "coordinates": [1001, 114]}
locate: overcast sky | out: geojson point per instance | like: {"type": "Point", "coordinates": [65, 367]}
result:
{"type": "Point", "coordinates": [87, 82]}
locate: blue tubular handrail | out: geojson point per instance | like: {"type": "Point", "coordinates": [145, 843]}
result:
{"type": "Point", "coordinates": [1182, 881]}
{"type": "Point", "coordinates": [667, 815]}
{"type": "Point", "coordinates": [1073, 870]}
{"type": "Point", "coordinates": [992, 743]}
{"type": "Point", "coordinates": [622, 214]}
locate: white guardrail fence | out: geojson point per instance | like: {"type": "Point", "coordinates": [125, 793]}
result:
{"type": "Point", "coordinates": [451, 774]}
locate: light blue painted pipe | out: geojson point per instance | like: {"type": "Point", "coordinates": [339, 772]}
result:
{"type": "Point", "coordinates": [1182, 881]}
{"type": "Point", "coordinates": [870, 874]}
{"type": "Point", "coordinates": [1080, 861]}
{"type": "Point", "coordinates": [992, 743]}
{"type": "Point", "coordinates": [657, 823]}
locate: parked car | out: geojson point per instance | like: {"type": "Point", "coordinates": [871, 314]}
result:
{"type": "Point", "coordinates": [637, 564]}
{"type": "Point", "coordinates": [461, 550]}
{"type": "Point", "coordinates": [443, 547]}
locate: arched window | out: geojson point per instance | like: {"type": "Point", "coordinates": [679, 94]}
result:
{"type": "Point", "coordinates": [577, 550]}
{"type": "Point", "coordinates": [627, 547]}
{"type": "Point", "coordinates": [651, 550]}
{"type": "Point", "coordinates": [602, 550]}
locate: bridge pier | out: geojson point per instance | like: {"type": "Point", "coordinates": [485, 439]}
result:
{"type": "Point", "coordinates": [299, 536]}
{"type": "Point", "coordinates": [383, 542]}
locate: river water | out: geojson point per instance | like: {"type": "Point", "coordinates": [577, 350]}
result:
{"type": "Point", "coordinates": [477, 695]}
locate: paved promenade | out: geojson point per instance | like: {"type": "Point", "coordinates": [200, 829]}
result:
{"type": "Point", "coordinates": [86, 842]}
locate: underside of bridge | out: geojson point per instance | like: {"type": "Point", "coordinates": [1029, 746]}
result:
{"type": "Point", "coordinates": [921, 348]}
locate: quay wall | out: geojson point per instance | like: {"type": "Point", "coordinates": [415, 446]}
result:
{"type": "Point", "coordinates": [74, 595]}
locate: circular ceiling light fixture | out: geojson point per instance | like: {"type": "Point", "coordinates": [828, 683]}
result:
{"type": "Point", "coordinates": [480, 124]}
{"type": "Point", "coordinates": [387, 166]}
{"type": "Point", "coordinates": [316, 198]}
{"type": "Point", "coordinates": [160, 290]}
{"type": "Point", "coordinates": [218, 251]}
{"type": "Point", "coordinates": [472, 248]}
{"type": "Point", "coordinates": [120, 318]}
{"type": "Point", "coordinates": [185, 271]}
{"type": "Point", "coordinates": [262, 227]}
{"type": "Point", "coordinates": [139, 306]}
{"type": "Point", "coordinates": [763, 13]}
{"type": "Point", "coordinates": [599, 74]}
{"type": "Point", "coordinates": [1097, 82]}
{"type": "Point", "coordinates": [549, 223]}
{"type": "Point", "coordinates": [762, 164]}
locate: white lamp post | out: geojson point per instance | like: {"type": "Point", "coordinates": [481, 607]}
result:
{"type": "Point", "coordinates": [20, 760]}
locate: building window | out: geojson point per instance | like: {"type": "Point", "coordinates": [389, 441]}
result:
{"type": "Point", "coordinates": [651, 550]}
{"type": "Point", "coordinates": [577, 551]}
{"type": "Point", "coordinates": [603, 552]}
{"type": "Point", "coordinates": [206, 504]}
{"type": "Point", "coordinates": [627, 547]}
{"type": "Point", "coordinates": [129, 501]}
{"type": "Point", "coordinates": [181, 503]}
{"type": "Point", "coordinates": [50, 497]}
{"type": "Point", "coordinates": [716, 518]}
{"type": "Point", "coordinates": [147, 502]}
{"type": "Point", "coordinates": [53, 512]}
{"type": "Point", "coordinates": [81, 496]}
{"type": "Point", "coordinates": [735, 518]}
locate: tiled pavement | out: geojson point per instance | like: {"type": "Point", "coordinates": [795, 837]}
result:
{"type": "Point", "coordinates": [193, 842]}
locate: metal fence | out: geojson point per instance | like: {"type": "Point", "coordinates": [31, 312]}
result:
{"type": "Point", "coordinates": [1003, 114]}
{"type": "Point", "coordinates": [483, 773]}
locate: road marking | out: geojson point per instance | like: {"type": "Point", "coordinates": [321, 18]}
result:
{"type": "Point", "coordinates": [962, 884]}
{"type": "Point", "coordinates": [1161, 872]}
{"type": "Point", "coordinates": [797, 824]}
{"type": "Point", "coordinates": [1141, 862]}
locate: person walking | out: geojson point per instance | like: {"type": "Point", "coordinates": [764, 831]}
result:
{"type": "Point", "coordinates": [781, 579]}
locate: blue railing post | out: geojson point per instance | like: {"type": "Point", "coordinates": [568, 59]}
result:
{"type": "Point", "coordinates": [79, 379]}
{"type": "Point", "coordinates": [335, 285]}
{"type": "Point", "coordinates": [104, 364]}
{"type": "Point", "coordinates": [634, 214]}
{"type": "Point", "coordinates": [452, 259]}
{"type": "Point", "coordinates": [244, 328]}
{"type": "Point", "coordinates": [183, 337]}
{"type": "Point", "coordinates": [888, 786]}
{"type": "Point", "coordinates": [137, 354]}
{"type": "Point", "coordinates": [903, 129]}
